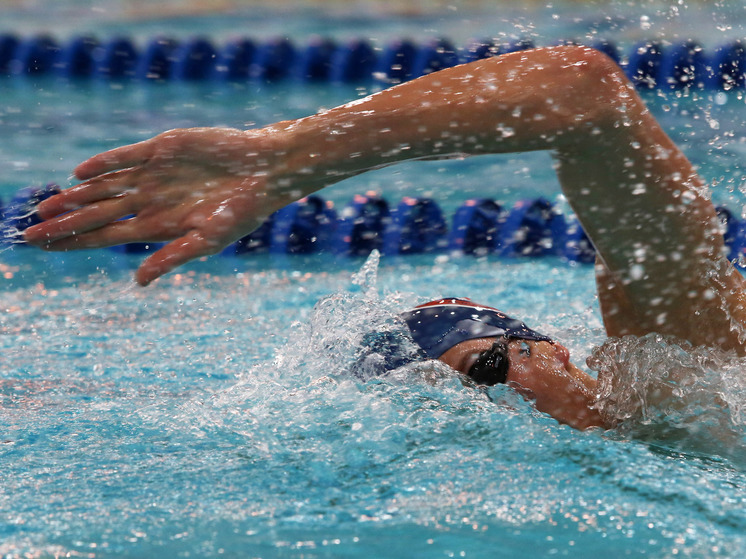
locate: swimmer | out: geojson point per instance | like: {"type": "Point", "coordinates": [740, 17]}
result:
{"type": "Point", "coordinates": [660, 267]}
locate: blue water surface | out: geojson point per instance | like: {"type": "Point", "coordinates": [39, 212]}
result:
{"type": "Point", "coordinates": [213, 413]}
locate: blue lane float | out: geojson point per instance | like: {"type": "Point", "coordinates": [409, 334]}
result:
{"type": "Point", "coordinates": [487, 48]}
{"type": "Point", "coordinates": [354, 62]}
{"type": "Point", "coordinates": [136, 248]}
{"type": "Point", "coordinates": [644, 63]}
{"type": "Point", "coordinates": [256, 242]}
{"type": "Point", "coordinates": [649, 64]}
{"type": "Point", "coordinates": [116, 60]}
{"type": "Point", "coordinates": [234, 61]}
{"type": "Point", "coordinates": [8, 50]}
{"type": "Point", "coordinates": [478, 50]}
{"type": "Point", "coordinates": [34, 56]}
{"type": "Point", "coordinates": [730, 59]}
{"type": "Point", "coordinates": [397, 62]}
{"type": "Point", "coordinates": [274, 61]}
{"type": "Point", "coordinates": [434, 56]}
{"type": "Point", "coordinates": [315, 61]}
{"type": "Point", "coordinates": [77, 59]}
{"type": "Point", "coordinates": [684, 66]}
{"type": "Point", "coordinates": [20, 213]}
{"type": "Point", "coordinates": [531, 228]}
{"type": "Point", "coordinates": [194, 60]}
{"type": "Point", "coordinates": [156, 63]}
{"type": "Point", "coordinates": [303, 227]}
{"type": "Point", "coordinates": [417, 226]}
{"type": "Point", "coordinates": [575, 245]}
{"type": "Point", "coordinates": [362, 225]}
{"type": "Point", "coordinates": [476, 227]}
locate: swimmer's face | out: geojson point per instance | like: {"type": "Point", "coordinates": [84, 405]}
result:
{"type": "Point", "coordinates": [540, 371]}
{"type": "Point", "coordinates": [523, 356]}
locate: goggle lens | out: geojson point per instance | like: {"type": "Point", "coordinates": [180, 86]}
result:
{"type": "Point", "coordinates": [491, 367]}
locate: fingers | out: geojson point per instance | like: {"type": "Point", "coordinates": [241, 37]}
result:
{"type": "Point", "coordinates": [75, 224]}
{"type": "Point", "coordinates": [116, 233]}
{"type": "Point", "coordinates": [190, 246]}
{"type": "Point", "coordinates": [101, 188]}
{"type": "Point", "coordinates": [119, 158]}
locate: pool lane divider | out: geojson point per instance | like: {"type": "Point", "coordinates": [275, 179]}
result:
{"type": "Point", "coordinates": [479, 227]}
{"type": "Point", "coordinates": [649, 64]}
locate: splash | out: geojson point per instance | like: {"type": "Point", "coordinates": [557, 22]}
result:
{"type": "Point", "coordinates": [663, 390]}
{"type": "Point", "coordinates": [367, 276]}
{"type": "Point", "coordinates": [343, 328]}
{"type": "Point", "coordinates": [11, 234]}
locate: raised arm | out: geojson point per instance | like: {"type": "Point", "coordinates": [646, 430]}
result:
{"type": "Point", "coordinates": [637, 196]}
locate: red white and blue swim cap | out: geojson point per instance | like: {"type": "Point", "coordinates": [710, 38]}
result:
{"type": "Point", "coordinates": [439, 325]}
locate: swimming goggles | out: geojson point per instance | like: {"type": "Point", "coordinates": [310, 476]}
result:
{"type": "Point", "coordinates": [491, 367]}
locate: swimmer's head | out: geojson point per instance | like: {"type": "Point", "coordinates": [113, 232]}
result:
{"type": "Point", "coordinates": [491, 348]}
{"type": "Point", "coordinates": [439, 325]}
{"type": "Point", "coordinates": [434, 328]}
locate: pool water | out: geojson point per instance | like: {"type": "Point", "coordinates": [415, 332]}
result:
{"type": "Point", "coordinates": [213, 413]}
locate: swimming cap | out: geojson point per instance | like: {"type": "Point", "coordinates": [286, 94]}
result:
{"type": "Point", "coordinates": [383, 351]}
{"type": "Point", "coordinates": [439, 325]}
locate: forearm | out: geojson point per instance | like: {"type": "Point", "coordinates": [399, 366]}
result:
{"type": "Point", "coordinates": [207, 187]}
{"type": "Point", "coordinates": [516, 102]}
{"type": "Point", "coordinates": [633, 190]}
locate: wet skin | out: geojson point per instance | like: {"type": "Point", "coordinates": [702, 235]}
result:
{"type": "Point", "coordinates": [542, 372]}
{"type": "Point", "coordinates": [660, 268]}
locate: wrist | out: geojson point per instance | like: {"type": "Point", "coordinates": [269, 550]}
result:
{"type": "Point", "coordinates": [315, 154]}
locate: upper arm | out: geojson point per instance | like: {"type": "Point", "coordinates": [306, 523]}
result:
{"type": "Point", "coordinates": [661, 265]}
{"type": "Point", "coordinates": [616, 308]}
{"type": "Point", "coordinates": [712, 313]}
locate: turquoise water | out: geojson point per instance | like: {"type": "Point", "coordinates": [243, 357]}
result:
{"type": "Point", "coordinates": [213, 413]}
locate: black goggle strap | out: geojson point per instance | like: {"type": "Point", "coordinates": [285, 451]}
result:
{"type": "Point", "coordinates": [492, 365]}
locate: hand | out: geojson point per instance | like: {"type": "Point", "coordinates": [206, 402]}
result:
{"type": "Point", "coordinates": [199, 188]}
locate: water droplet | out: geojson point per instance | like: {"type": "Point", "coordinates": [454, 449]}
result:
{"type": "Point", "coordinates": [636, 272]}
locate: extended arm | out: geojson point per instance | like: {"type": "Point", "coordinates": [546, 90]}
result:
{"type": "Point", "coordinates": [637, 196]}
